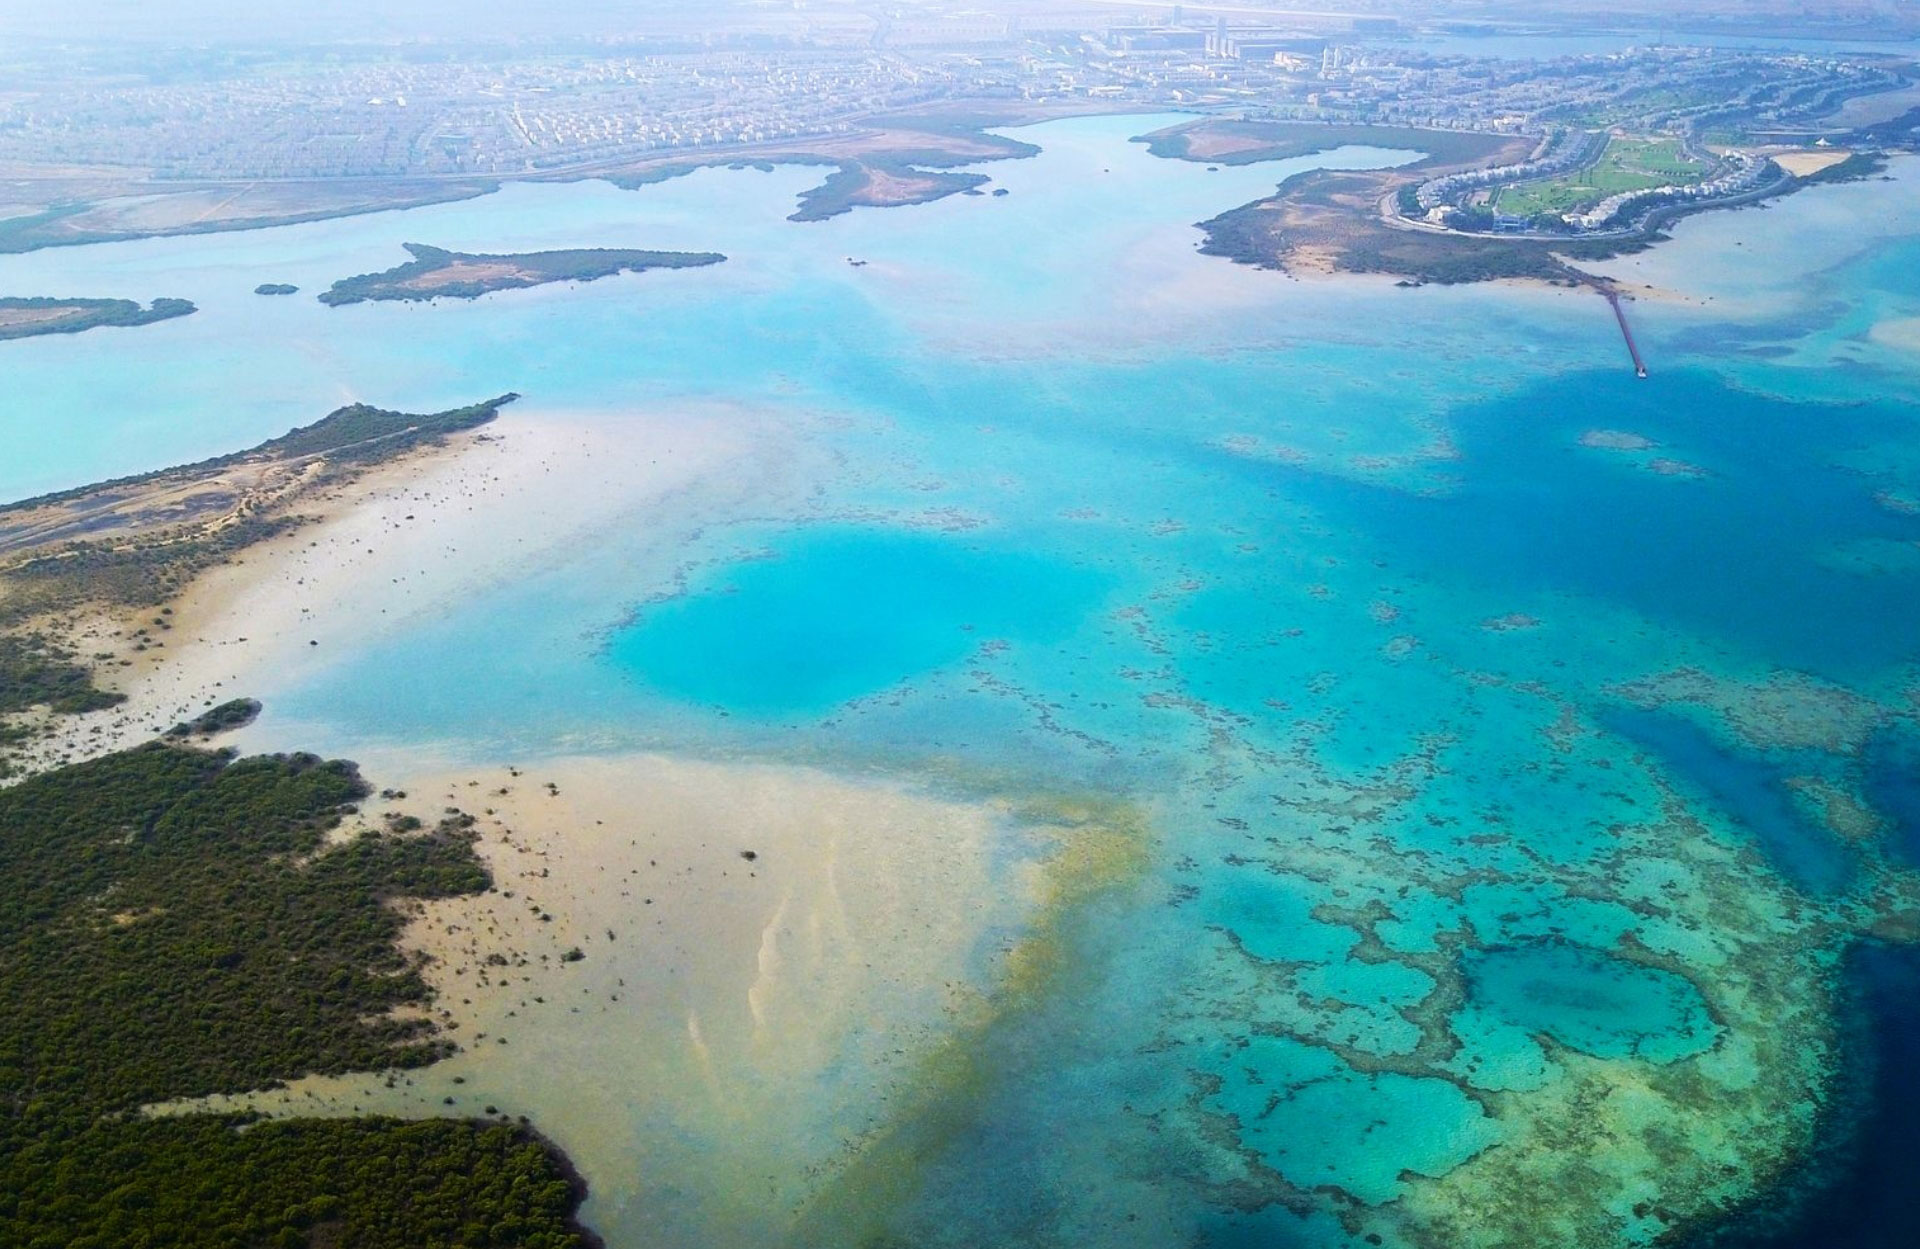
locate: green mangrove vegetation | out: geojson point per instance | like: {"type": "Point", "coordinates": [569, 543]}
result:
{"type": "Point", "coordinates": [235, 713]}
{"type": "Point", "coordinates": [175, 922]}
{"type": "Point", "coordinates": [35, 672]}
{"type": "Point", "coordinates": [28, 318]}
{"type": "Point", "coordinates": [435, 273]}
{"type": "Point", "coordinates": [363, 433]}
{"type": "Point", "coordinates": [276, 288]}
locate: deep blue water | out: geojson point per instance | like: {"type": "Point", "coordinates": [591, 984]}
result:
{"type": "Point", "coordinates": [1871, 1200]}
{"type": "Point", "coordinates": [1746, 787]}
{"type": "Point", "coordinates": [1892, 768]}
{"type": "Point", "coordinates": [1736, 552]}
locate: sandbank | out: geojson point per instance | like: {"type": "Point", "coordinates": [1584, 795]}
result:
{"type": "Point", "coordinates": [766, 955]}
{"type": "Point", "coordinates": [1901, 333]}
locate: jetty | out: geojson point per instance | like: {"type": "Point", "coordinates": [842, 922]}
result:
{"type": "Point", "coordinates": [1626, 331]}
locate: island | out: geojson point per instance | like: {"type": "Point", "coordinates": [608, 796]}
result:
{"type": "Point", "coordinates": [276, 288]}
{"type": "Point", "coordinates": [28, 318]}
{"type": "Point", "coordinates": [880, 184]}
{"type": "Point", "coordinates": [436, 273]}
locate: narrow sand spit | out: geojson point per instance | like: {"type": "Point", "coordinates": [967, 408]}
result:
{"type": "Point", "coordinates": [401, 542]}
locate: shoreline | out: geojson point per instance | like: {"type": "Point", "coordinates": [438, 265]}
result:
{"type": "Point", "coordinates": [820, 936]}
{"type": "Point", "coordinates": [397, 542]}
{"type": "Point", "coordinates": [886, 144]}
{"type": "Point", "coordinates": [809, 938]}
{"type": "Point", "coordinates": [756, 961]}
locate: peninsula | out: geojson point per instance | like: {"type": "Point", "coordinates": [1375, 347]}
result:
{"type": "Point", "coordinates": [1479, 206]}
{"type": "Point", "coordinates": [436, 273]}
{"type": "Point", "coordinates": [1333, 221]}
{"type": "Point", "coordinates": [28, 318]}
{"type": "Point", "coordinates": [124, 549]}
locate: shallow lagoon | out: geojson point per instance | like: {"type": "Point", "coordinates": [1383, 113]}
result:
{"type": "Point", "coordinates": [1324, 580]}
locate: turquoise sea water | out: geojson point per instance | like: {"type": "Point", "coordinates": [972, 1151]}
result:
{"type": "Point", "coordinates": [1490, 885]}
{"type": "Point", "coordinates": [839, 615]}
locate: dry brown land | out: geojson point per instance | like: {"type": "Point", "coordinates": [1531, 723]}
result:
{"type": "Point", "coordinates": [14, 318]}
{"type": "Point", "coordinates": [464, 271]}
{"type": "Point", "coordinates": [116, 204]}
{"type": "Point", "coordinates": [1803, 163]}
{"type": "Point", "coordinates": [1210, 142]}
{"type": "Point", "coordinates": [193, 503]}
{"type": "Point", "coordinates": [884, 189]}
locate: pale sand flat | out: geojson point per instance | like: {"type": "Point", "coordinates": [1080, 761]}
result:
{"type": "Point", "coordinates": [734, 1026]}
{"type": "Point", "coordinates": [409, 539]}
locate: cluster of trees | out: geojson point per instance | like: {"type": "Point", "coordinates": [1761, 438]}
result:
{"type": "Point", "coordinates": [233, 714]}
{"type": "Point", "coordinates": [1450, 259]}
{"type": "Point", "coordinates": [34, 671]}
{"type": "Point", "coordinates": [363, 433]}
{"type": "Point", "coordinates": [174, 923]}
{"type": "Point", "coordinates": [220, 1182]}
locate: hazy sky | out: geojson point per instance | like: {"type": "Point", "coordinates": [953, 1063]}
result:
{"type": "Point", "coordinates": [220, 20]}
